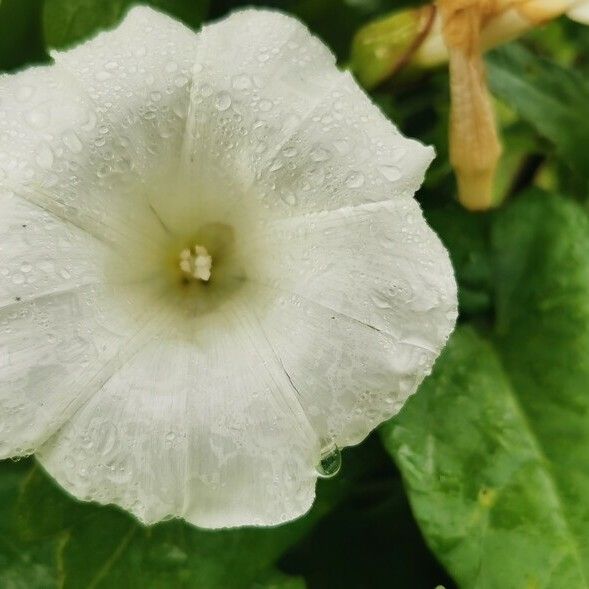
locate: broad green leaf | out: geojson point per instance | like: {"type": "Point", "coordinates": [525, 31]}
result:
{"type": "Point", "coordinates": [21, 39]}
{"type": "Point", "coordinates": [554, 99]}
{"type": "Point", "coordinates": [22, 565]}
{"type": "Point", "coordinates": [278, 580]}
{"type": "Point", "coordinates": [494, 448]}
{"type": "Point", "coordinates": [103, 547]}
{"type": "Point", "coordinates": [67, 22]}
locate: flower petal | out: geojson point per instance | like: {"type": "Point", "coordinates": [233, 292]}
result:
{"type": "Point", "coordinates": [97, 136]}
{"type": "Point", "coordinates": [369, 304]}
{"type": "Point", "coordinates": [77, 164]}
{"type": "Point", "coordinates": [270, 112]}
{"type": "Point", "coordinates": [580, 13]}
{"type": "Point", "coordinates": [203, 427]}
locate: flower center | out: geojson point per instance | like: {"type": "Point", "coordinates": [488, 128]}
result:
{"type": "Point", "coordinates": [196, 263]}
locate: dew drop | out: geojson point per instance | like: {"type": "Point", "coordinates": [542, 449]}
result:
{"type": "Point", "coordinates": [355, 180]}
{"type": "Point", "coordinates": [391, 173]}
{"type": "Point", "coordinates": [242, 82]}
{"type": "Point", "coordinates": [330, 462]}
{"type": "Point", "coordinates": [289, 198]}
{"type": "Point", "coordinates": [320, 154]}
{"type": "Point", "coordinates": [223, 101]}
{"type": "Point", "coordinates": [103, 76]}
{"type": "Point", "coordinates": [342, 146]}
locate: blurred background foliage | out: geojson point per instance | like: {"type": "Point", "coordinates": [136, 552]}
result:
{"type": "Point", "coordinates": [482, 481]}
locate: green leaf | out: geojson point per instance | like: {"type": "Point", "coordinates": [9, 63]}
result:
{"type": "Point", "coordinates": [554, 99]}
{"type": "Point", "coordinates": [494, 447]}
{"type": "Point", "coordinates": [67, 22]}
{"type": "Point", "coordinates": [90, 546]}
{"type": "Point", "coordinates": [278, 580]}
{"type": "Point", "coordinates": [22, 565]}
{"type": "Point", "coordinates": [21, 39]}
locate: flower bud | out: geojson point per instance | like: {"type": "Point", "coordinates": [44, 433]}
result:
{"type": "Point", "coordinates": [385, 46]}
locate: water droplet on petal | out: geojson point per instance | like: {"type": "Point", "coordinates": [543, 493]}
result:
{"type": "Point", "coordinates": [72, 142]}
{"type": "Point", "coordinates": [223, 101]}
{"type": "Point", "coordinates": [355, 180]}
{"type": "Point", "coordinates": [289, 198]}
{"type": "Point", "coordinates": [242, 82]}
{"type": "Point", "coordinates": [391, 173]}
{"type": "Point", "coordinates": [330, 461]}
{"type": "Point", "coordinates": [320, 154]}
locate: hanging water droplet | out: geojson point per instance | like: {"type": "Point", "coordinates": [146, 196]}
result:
{"type": "Point", "coordinates": [330, 461]}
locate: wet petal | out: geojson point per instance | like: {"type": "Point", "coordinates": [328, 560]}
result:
{"type": "Point", "coordinates": [273, 123]}
{"type": "Point", "coordinates": [201, 423]}
{"type": "Point", "coordinates": [96, 137]}
{"type": "Point", "coordinates": [368, 305]}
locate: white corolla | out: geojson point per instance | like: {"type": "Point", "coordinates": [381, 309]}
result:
{"type": "Point", "coordinates": [213, 272]}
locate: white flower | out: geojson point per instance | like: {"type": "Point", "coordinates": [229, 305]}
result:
{"type": "Point", "coordinates": [212, 268]}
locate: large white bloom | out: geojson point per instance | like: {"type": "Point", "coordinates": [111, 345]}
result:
{"type": "Point", "coordinates": [212, 267]}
